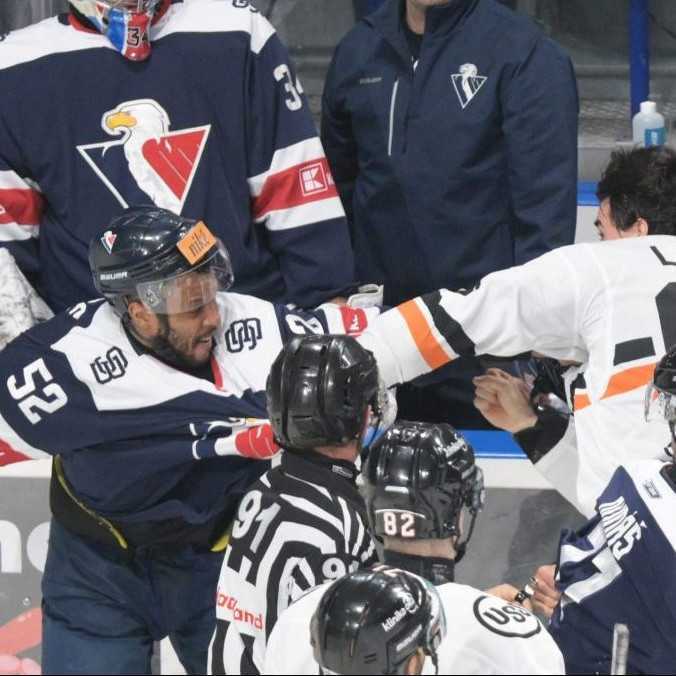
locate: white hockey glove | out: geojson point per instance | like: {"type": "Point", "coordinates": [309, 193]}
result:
{"type": "Point", "coordinates": [20, 305]}
{"type": "Point", "coordinates": [368, 295]}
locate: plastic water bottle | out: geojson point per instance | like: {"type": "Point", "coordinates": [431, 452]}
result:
{"type": "Point", "coordinates": [648, 126]}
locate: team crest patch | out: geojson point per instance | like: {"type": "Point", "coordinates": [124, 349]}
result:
{"type": "Point", "coordinates": [146, 161]}
{"type": "Point", "coordinates": [108, 240]}
{"type": "Point", "coordinates": [467, 83]}
{"type": "Point", "coordinates": [505, 619]}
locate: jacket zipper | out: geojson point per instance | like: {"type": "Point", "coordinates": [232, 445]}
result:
{"type": "Point", "coordinates": [393, 101]}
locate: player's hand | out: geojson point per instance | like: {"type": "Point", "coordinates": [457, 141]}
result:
{"type": "Point", "coordinates": [504, 400]}
{"type": "Point", "coordinates": [507, 592]}
{"type": "Point", "coordinates": [546, 595]}
{"type": "Point", "coordinates": [9, 664]}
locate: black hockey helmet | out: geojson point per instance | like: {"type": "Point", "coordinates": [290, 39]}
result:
{"type": "Point", "coordinates": [417, 480]}
{"type": "Point", "coordinates": [319, 390]}
{"type": "Point", "coordinates": [146, 251]}
{"type": "Point", "coordinates": [372, 621]}
{"type": "Point", "coordinates": [660, 395]}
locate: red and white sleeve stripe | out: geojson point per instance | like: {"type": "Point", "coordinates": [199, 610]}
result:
{"type": "Point", "coordinates": [13, 448]}
{"type": "Point", "coordinates": [21, 207]}
{"type": "Point", "coordinates": [298, 188]}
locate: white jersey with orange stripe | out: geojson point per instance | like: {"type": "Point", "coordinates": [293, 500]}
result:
{"type": "Point", "coordinates": [608, 306]}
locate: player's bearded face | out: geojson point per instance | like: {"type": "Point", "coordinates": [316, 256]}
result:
{"type": "Point", "coordinates": [187, 337]}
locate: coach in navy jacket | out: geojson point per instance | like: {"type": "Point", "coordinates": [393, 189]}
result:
{"type": "Point", "coordinates": [455, 151]}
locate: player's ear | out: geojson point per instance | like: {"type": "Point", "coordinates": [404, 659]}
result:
{"type": "Point", "coordinates": [642, 228]}
{"type": "Point", "coordinates": [415, 663]}
{"type": "Point", "coordinates": [143, 320]}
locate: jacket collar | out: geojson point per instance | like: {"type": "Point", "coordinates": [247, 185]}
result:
{"type": "Point", "coordinates": [388, 20]}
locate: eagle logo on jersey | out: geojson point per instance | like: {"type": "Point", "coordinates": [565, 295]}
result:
{"type": "Point", "coordinates": [146, 160]}
{"type": "Point", "coordinates": [467, 83]}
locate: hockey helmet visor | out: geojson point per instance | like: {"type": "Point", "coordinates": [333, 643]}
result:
{"type": "Point", "coordinates": [660, 394]}
{"type": "Point", "coordinates": [383, 413]}
{"type": "Point", "coordinates": [191, 290]}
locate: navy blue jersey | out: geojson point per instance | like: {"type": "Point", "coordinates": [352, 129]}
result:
{"type": "Point", "coordinates": [213, 126]}
{"type": "Point", "coordinates": [139, 440]}
{"type": "Point", "coordinates": [621, 567]}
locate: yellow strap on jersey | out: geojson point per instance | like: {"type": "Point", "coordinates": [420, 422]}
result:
{"type": "Point", "coordinates": [58, 468]}
{"type": "Point", "coordinates": [222, 541]}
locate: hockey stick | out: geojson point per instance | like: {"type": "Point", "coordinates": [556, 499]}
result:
{"type": "Point", "coordinates": [618, 664]}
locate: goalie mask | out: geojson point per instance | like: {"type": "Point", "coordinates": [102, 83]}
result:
{"type": "Point", "coordinates": [374, 621]}
{"type": "Point", "coordinates": [418, 481]}
{"type": "Point", "coordinates": [126, 23]}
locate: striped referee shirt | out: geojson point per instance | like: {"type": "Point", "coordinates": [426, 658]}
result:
{"type": "Point", "coordinates": [300, 525]}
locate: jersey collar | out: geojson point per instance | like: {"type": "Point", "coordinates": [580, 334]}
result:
{"type": "Point", "coordinates": [337, 476]}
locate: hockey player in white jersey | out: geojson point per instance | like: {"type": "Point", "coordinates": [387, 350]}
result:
{"type": "Point", "coordinates": [605, 306]}
{"type": "Point", "coordinates": [152, 405]}
{"type": "Point", "coordinates": [304, 522]}
{"type": "Point", "coordinates": [419, 480]}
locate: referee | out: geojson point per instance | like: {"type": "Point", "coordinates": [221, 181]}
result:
{"type": "Point", "coordinates": [303, 523]}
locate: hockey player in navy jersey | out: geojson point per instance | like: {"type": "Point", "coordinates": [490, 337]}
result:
{"type": "Point", "coordinates": [152, 405]}
{"type": "Point", "coordinates": [621, 566]}
{"type": "Point", "coordinates": [191, 105]}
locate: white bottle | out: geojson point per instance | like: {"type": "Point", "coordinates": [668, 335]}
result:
{"type": "Point", "coordinates": [648, 126]}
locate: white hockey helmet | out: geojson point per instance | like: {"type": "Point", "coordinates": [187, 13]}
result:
{"type": "Point", "coordinates": [126, 23]}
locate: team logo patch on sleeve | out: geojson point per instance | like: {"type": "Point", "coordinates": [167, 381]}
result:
{"type": "Point", "coordinates": [112, 366]}
{"type": "Point", "coordinates": [505, 619]}
{"type": "Point", "coordinates": [243, 333]}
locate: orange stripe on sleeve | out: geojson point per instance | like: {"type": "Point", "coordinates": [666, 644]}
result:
{"type": "Point", "coordinates": [428, 346]}
{"type": "Point", "coordinates": [580, 401]}
{"type": "Point", "coordinates": [629, 379]}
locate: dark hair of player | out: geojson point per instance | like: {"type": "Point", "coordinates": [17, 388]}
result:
{"type": "Point", "coordinates": [641, 183]}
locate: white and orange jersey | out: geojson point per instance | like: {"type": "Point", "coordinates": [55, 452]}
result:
{"type": "Point", "coordinates": [611, 306]}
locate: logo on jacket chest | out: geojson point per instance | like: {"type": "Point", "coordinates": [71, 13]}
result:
{"type": "Point", "coordinates": [146, 161]}
{"type": "Point", "coordinates": [243, 333]}
{"type": "Point", "coordinates": [467, 83]}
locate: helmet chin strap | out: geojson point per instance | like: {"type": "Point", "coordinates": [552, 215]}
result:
{"type": "Point", "coordinates": [438, 570]}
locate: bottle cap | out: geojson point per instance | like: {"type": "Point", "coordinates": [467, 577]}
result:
{"type": "Point", "coordinates": [648, 107]}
